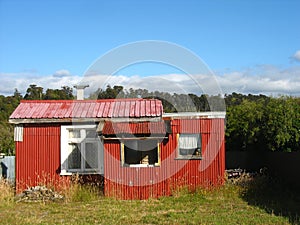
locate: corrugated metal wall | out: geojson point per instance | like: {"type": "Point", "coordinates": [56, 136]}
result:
{"type": "Point", "coordinates": [38, 156]}
{"type": "Point", "coordinates": [7, 168]}
{"type": "Point", "coordinates": [145, 182]}
{"type": "Point", "coordinates": [38, 161]}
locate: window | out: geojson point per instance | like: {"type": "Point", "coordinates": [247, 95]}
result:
{"type": "Point", "coordinates": [189, 146]}
{"type": "Point", "coordinates": [81, 150]}
{"type": "Point", "coordinates": [140, 153]}
{"type": "Point", "coordinates": [18, 133]}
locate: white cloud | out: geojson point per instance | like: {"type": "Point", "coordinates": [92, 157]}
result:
{"type": "Point", "coordinates": [296, 56]}
{"type": "Point", "coordinates": [263, 79]}
{"type": "Point", "coordinates": [62, 73]}
{"type": "Point", "coordinates": [269, 80]}
{"type": "Point", "coordinates": [21, 81]}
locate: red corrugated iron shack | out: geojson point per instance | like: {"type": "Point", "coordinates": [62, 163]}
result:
{"type": "Point", "coordinates": [137, 150]}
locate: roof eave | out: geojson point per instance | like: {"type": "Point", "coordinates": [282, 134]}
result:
{"type": "Point", "coordinates": [194, 115]}
{"type": "Point", "coordinates": [82, 120]}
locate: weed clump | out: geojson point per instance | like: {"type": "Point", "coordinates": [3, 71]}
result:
{"type": "Point", "coordinates": [7, 191]}
{"type": "Point", "coordinates": [79, 191]}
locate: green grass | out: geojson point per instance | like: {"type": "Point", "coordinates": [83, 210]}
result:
{"type": "Point", "coordinates": [225, 205]}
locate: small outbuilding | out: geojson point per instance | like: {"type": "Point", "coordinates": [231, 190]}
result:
{"type": "Point", "coordinates": [131, 145]}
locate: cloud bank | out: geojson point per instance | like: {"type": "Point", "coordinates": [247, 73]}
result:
{"type": "Point", "coordinates": [263, 79]}
{"type": "Point", "coordinates": [21, 81]}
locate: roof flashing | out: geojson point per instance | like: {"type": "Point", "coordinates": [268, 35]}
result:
{"type": "Point", "coordinates": [194, 115]}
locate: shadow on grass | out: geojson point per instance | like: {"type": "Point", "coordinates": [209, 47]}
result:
{"type": "Point", "coordinates": [273, 195]}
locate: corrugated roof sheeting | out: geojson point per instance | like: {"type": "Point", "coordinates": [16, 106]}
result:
{"type": "Point", "coordinates": [111, 128]}
{"type": "Point", "coordinates": [108, 108]}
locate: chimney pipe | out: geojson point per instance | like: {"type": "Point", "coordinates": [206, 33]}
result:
{"type": "Point", "coordinates": [80, 91]}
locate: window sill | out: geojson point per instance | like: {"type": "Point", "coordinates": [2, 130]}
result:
{"type": "Point", "coordinates": [70, 173]}
{"type": "Point", "coordinates": [189, 158]}
{"type": "Point", "coordinates": [141, 165]}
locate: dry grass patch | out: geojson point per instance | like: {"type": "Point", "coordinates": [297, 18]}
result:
{"type": "Point", "coordinates": [7, 191]}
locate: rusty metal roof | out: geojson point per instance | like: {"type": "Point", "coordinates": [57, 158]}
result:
{"type": "Point", "coordinates": [134, 128]}
{"type": "Point", "coordinates": [107, 108]}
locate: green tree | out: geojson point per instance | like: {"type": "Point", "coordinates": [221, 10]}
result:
{"type": "Point", "coordinates": [283, 124]}
{"type": "Point", "coordinates": [244, 126]}
{"type": "Point", "coordinates": [17, 95]}
{"type": "Point", "coordinates": [66, 93]}
{"type": "Point", "coordinates": [34, 92]}
{"type": "Point", "coordinates": [111, 93]}
{"type": "Point", "coordinates": [7, 106]}
{"type": "Point", "coordinates": [7, 145]}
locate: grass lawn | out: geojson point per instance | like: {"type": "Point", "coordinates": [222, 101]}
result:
{"type": "Point", "coordinates": [226, 205]}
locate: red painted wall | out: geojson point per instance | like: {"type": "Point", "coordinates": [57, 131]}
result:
{"type": "Point", "coordinates": [38, 162]}
{"type": "Point", "coordinates": [145, 182]}
{"type": "Point", "coordinates": [38, 156]}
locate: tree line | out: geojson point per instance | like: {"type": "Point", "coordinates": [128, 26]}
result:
{"type": "Point", "coordinates": [171, 102]}
{"type": "Point", "coordinates": [253, 122]}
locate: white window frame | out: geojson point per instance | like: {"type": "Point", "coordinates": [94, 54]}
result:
{"type": "Point", "coordinates": [190, 156]}
{"type": "Point", "coordinates": [65, 150]}
{"type": "Point", "coordinates": [18, 132]}
{"type": "Point", "coordinates": [139, 165]}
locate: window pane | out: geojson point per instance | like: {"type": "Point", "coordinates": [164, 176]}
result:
{"type": "Point", "coordinates": [74, 158]}
{"type": "Point", "coordinates": [189, 145]}
{"type": "Point", "coordinates": [74, 133]}
{"type": "Point", "coordinates": [91, 133]}
{"type": "Point", "coordinates": [91, 155]}
{"type": "Point", "coordinates": [188, 141]}
{"type": "Point", "coordinates": [144, 152]}
{"type": "Point", "coordinates": [147, 145]}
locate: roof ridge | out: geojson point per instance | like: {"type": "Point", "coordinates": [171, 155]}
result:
{"type": "Point", "coordinates": [87, 100]}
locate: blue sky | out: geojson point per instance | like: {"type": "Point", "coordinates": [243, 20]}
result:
{"type": "Point", "coordinates": [250, 41]}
